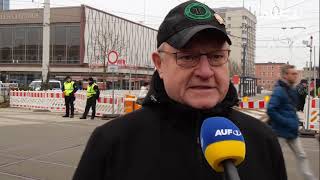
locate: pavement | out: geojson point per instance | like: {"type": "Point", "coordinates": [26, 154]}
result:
{"type": "Point", "coordinates": [41, 145]}
{"type": "Point", "coordinates": [45, 146]}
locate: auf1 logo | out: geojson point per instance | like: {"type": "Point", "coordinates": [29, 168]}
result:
{"type": "Point", "coordinates": [225, 132]}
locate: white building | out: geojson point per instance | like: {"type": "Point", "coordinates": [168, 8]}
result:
{"type": "Point", "coordinates": [81, 40]}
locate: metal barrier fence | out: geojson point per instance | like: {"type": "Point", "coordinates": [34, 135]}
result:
{"type": "Point", "coordinates": [54, 101]}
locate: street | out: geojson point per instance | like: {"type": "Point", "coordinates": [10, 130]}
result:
{"type": "Point", "coordinates": [43, 145]}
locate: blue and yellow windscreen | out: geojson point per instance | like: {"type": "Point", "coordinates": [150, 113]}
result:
{"type": "Point", "coordinates": [221, 139]}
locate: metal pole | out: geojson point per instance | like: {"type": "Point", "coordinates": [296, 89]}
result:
{"type": "Point", "coordinates": [260, 8]}
{"type": "Point", "coordinates": [112, 91]}
{"type": "Point", "coordinates": [309, 80]}
{"type": "Point", "coordinates": [46, 40]}
{"type": "Point", "coordinates": [314, 71]}
{"type": "Point", "coordinates": [130, 79]}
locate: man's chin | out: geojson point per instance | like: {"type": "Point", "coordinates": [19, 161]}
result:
{"type": "Point", "coordinates": [203, 105]}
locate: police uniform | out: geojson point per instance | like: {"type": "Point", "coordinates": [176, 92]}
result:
{"type": "Point", "coordinates": [69, 88]}
{"type": "Point", "coordinates": [92, 96]}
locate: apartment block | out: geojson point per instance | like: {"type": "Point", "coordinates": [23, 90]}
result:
{"type": "Point", "coordinates": [241, 27]}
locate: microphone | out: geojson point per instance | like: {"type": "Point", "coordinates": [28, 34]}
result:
{"type": "Point", "coordinates": [222, 145]}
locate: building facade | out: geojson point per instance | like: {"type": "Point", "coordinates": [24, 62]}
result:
{"type": "Point", "coordinates": [267, 74]}
{"type": "Point", "coordinates": [4, 5]}
{"type": "Point", "coordinates": [82, 40]}
{"type": "Point", "coordinates": [310, 73]}
{"type": "Point", "coordinates": [241, 27]}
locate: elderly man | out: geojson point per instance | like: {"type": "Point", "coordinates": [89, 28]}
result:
{"type": "Point", "coordinates": [191, 83]}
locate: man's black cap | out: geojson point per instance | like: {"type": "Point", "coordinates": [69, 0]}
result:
{"type": "Point", "coordinates": [90, 79]}
{"type": "Point", "coordinates": [186, 20]}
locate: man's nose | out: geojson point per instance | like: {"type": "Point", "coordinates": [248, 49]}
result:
{"type": "Point", "coordinates": [204, 69]}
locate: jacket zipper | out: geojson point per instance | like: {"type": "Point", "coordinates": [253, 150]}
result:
{"type": "Point", "coordinates": [199, 152]}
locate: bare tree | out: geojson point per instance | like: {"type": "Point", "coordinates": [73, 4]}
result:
{"type": "Point", "coordinates": [107, 42]}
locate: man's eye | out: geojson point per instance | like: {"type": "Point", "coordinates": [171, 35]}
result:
{"type": "Point", "coordinates": [215, 56]}
{"type": "Point", "coordinates": [186, 57]}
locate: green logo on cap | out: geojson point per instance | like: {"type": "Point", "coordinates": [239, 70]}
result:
{"type": "Point", "coordinates": [197, 11]}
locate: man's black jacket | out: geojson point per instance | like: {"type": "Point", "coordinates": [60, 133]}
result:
{"type": "Point", "coordinates": [161, 142]}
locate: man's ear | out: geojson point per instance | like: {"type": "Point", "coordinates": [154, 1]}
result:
{"type": "Point", "coordinates": [157, 62]}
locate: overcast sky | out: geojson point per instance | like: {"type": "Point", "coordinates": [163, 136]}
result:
{"type": "Point", "coordinates": [273, 43]}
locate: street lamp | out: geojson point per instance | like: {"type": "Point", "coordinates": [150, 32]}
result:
{"type": "Point", "coordinates": [309, 44]}
{"type": "Point", "coordinates": [290, 41]}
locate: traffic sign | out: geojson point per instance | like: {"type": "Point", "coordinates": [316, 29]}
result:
{"type": "Point", "coordinates": [113, 57]}
{"type": "Point", "coordinates": [113, 68]}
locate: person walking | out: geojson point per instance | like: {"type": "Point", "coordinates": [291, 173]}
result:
{"type": "Point", "coordinates": [284, 119]}
{"type": "Point", "coordinates": [69, 88]}
{"type": "Point", "coordinates": [92, 96]}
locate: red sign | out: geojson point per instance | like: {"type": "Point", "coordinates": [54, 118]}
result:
{"type": "Point", "coordinates": [113, 57]}
{"type": "Point", "coordinates": [236, 79]}
{"type": "Point", "coordinates": [121, 62]}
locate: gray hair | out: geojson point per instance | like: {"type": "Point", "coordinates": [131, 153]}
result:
{"type": "Point", "coordinates": [285, 68]}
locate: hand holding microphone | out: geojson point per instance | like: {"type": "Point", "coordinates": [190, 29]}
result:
{"type": "Point", "coordinates": [223, 145]}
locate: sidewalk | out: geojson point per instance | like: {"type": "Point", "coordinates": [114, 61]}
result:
{"type": "Point", "coordinates": [41, 145]}
{"type": "Point", "coordinates": [45, 146]}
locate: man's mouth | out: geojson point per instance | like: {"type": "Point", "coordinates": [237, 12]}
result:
{"type": "Point", "coordinates": [201, 87]}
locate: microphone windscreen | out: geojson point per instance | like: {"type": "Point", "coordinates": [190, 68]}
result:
{"type": "Point", "coordinates": [221, 139]}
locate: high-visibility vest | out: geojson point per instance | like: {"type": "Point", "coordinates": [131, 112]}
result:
{"type": "Point", "coordinates": [68, 88]}
{"type": "Point", "coordinates": [90, 90]}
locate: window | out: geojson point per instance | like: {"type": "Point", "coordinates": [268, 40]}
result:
{"type": "Point", "coordinates": [58, 40]}
{"type": "Point", "coordinates": [19, 44]}
{"type": "Point", "coordinates": [65, 44]}
{"type": "Point", "coordinates": [23, 43]}
{"type": "Point", "coordinates": [73, 44]}
{"type": "Point", "coordinates": [229, 18]}
{"type": "Point", "coordinates": [6, 45]}
{"type": "Point", "coordinates": [229, 26]}
{"type": "Point", "coordinates": [34, 45]}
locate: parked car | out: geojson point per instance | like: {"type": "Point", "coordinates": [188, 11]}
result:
{"type": "Point", "coordinates": [53, 85]}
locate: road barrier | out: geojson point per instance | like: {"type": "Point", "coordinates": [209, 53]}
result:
{"type": "Point", "coordinates": [313, 122]}
{"type": "Point", "coordinates": [122, 103]}
{"type": "Point", "coordinates": [260, 104]}
{"type": "Point", "coordinates": [54, 101]}
{"type": "Point", "coordinates": [104, 104]}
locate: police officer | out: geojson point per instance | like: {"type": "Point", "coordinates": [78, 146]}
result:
{"type": "Point", "coordinates": [92, 96]}
{"type": "Point", "coordinates": [69, 88]}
